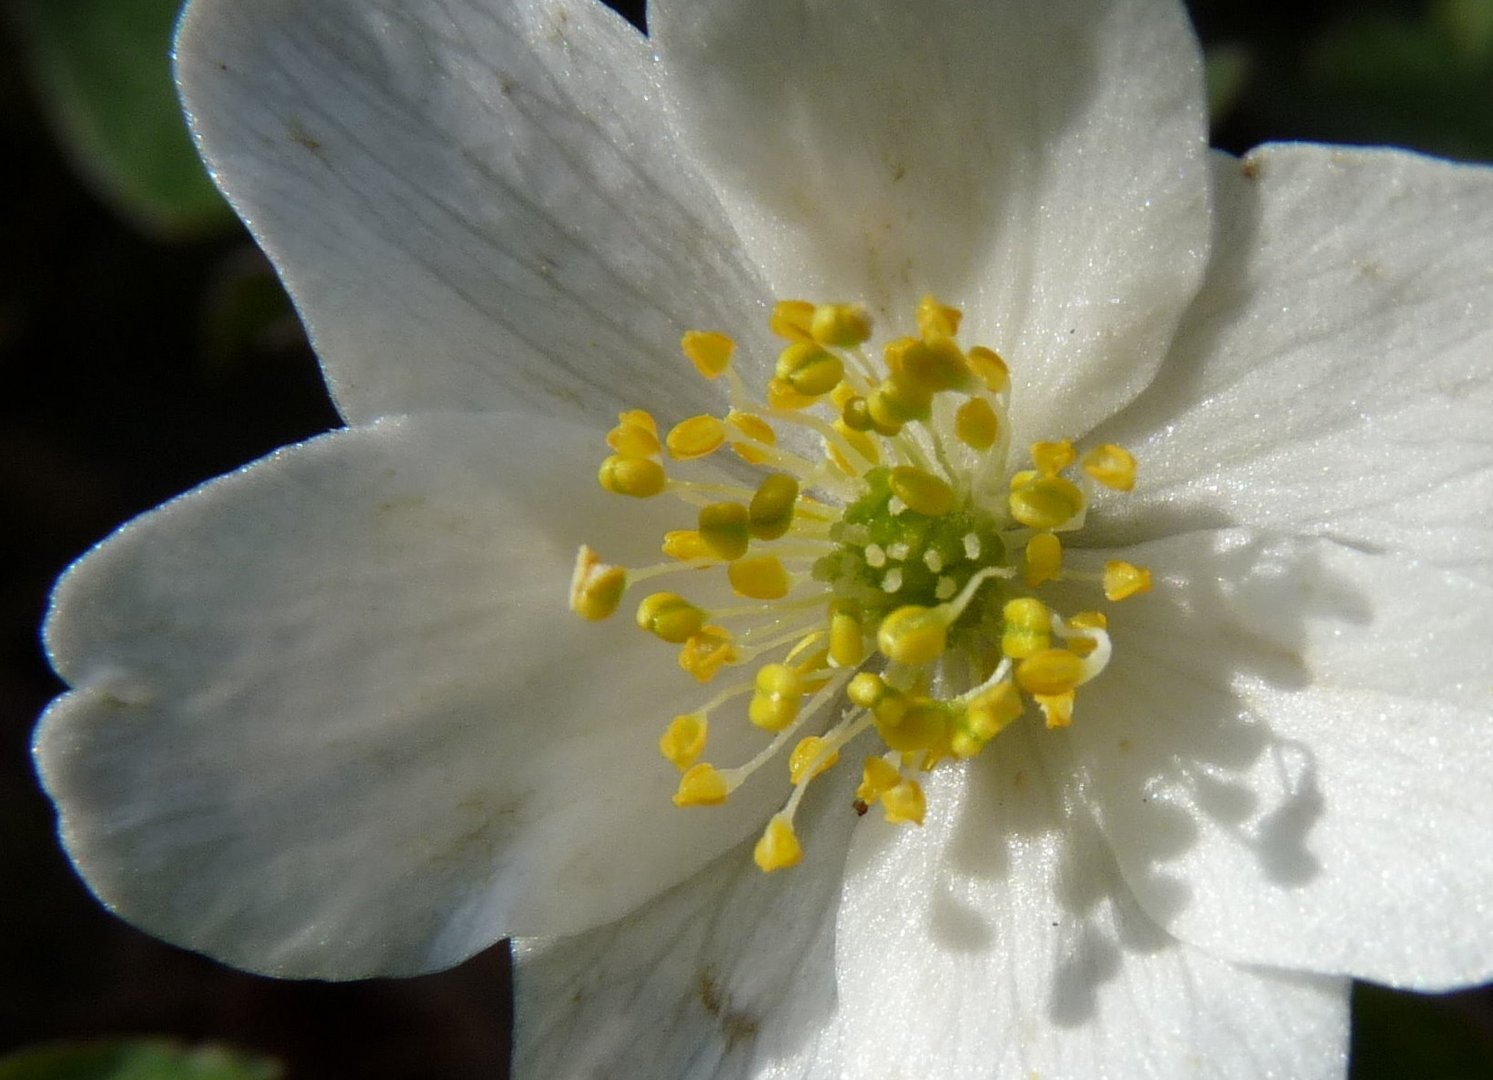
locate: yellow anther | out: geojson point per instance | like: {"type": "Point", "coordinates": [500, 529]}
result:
{"type": "Point", "coordinates": [934, 317]}
{"type": "Point", "coordinates": [913, 634]}
{"type": "Point", "coordinates": [705, 653]}
{"type": "Point", "coordinates": [1056, 708]}
{"type": "Point", "coordinates": [686, 544]}
{"type": "Point", "coordinates": [936, 363]}
{"type": "Point", "coordinates": [636, 435]}
{"type": "Point", "coordinates": [642, 478]}
{"type": "Point", "coordinates": [922, 491]}
{"type": "Point", "coordinates": [847, 637]}
{"type": "Point", "coordinates": [670, 617]}
{"type": "Point", "coordinates": [708, 351]}
{"type": "Point", "coordinates": [809, 369]}
{"type": "Point", "coordinates": [989, 368]}
{"type": "Point", "coordinates": [976, 424]}
{"type": "Point", "coordinates": [791, 320]}
{"type": "Point", "coordinates": [696, 437]}
{"type": "Point", "coordinates": [877, 776]}
{"type": "Point", "coordinates": [770, 513]}
{"type": "Point", "coordinates": [1090, 620]}
{"type": "Point", "coordinates": [683, 741]}
{"type": "Point", "coordinates": [782, 395]}
{"type": "Point", "coordinates": [1086, 620]}
{"type": "Point", "coordinates": [894, 350]}
{"type": "Point", "coordinates": [759, 577]}
{"type": "Point", "coordinates": [840, 326]}
{"type": "Point", "coordinates": [1047, 502]}
{"type": "Point", "coordinates": [812, 752]}
{"type": "Point", "coordinates": [855, 415]}
{"type": "Point", "coordinates": [904, 804]}
{"type": "Point", "coordinates": [986, 717]}
{"type": "Point", "coordinates": [1111, 465]}
{"type": "Point", "coordinates": [1049, 672]}
{"type": "Point", "coordinates": [779, 847]}
{"type": "Point", "coordinates": [871, 692]}
{"type": "Point", "coordinates": [1044, 558]}
{"type": "Point", "coordinates": [779, 690]}
{"type": "Point", "coordinates": [1123, 579]}
{"type": "Point", "coordinates": [1052, 458]}
{"type": "Point", "coordinates": [753, 427]}
{"type": "Point", "coordinates": [898, 400]}
{"type": "Point", "coordinates": [1028, 628]}
{"type": "Point", "coordinates": [725, 528]}
{"type": "Point", "coordinates": [702, 785]}
{"type": "Point", "coordinates": [923, 725]}
{"type": "Point", "coordinates": [1023, 478]}
{"type": "Point", "coordinates": [596, 587]}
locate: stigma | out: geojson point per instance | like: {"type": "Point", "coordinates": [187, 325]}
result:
{"type": "Point", "coordinates": [887, 560]}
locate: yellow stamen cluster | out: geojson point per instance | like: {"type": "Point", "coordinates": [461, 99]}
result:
{"type": "Point", "coordinates": [863, 565]}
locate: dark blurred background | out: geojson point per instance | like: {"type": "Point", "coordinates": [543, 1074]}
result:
{"type": "Point", "coordinates": [145, 347]}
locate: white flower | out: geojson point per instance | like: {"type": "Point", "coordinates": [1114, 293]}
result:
{"type": "Point", "coordinates": [332, 717]}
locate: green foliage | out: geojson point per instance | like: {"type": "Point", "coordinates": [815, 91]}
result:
{"type": "Point", "coordinates": [102, 71]}
{"type": "Point", "coordinates": [134, 1060]}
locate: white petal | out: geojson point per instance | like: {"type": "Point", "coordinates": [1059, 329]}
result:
{"type": "Point", "coordinates": [474, 205]}
{"type": "Point", "coordinates": [1000, 940]}
{"type": "Point", "coordinates": [1040, 164]}
{"type": "Point", "coordinates": [729, 975]}
{"type": "Point", "coordinates": [1336, 374]}
{"type": "Point", "coordinates": [333, 715]}
{"type": "Point", "coordinates": [1293, 753]}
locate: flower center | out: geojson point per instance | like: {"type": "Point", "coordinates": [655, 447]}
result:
{"type": "Point", "coordinates": [886, 580]}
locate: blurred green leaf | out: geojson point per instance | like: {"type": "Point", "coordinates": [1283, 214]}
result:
{"type": "Point", "coordinates": [1425, 82]}
{"type": "Point", "coordinates": [103, 73]}
{"type": "Point", "coordinates": [134, 1060]}
{"type": "Point", "coordinates": [1227, 71]}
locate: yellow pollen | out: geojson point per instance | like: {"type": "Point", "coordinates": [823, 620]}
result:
{"type": "Point", "coordinates": [809, 368]}
{"type": "Point", "coordinates": [1049, 672]}
{"type": "Point", "coordinates": [1044, 559]}
{"type": "Point", "coordinates": [935, 318]}
{"type": "Point", "coordinates": [904, 803]}
{"type": "Point", "coordinates": [683, 741]}
{"type": "Point", "coordinates": [642, 478]}
{"type": "Point", "coordinates": [1057, 709]}
{"type": "Point", "coordinates": [705, 653]}
{"type": "Point", "coordinates": [686, 544]}
{"type": "Point", "coordinates": [1028, 628]}
{"type": "Point", "coordinates": [1122, 580]}
{"type": "Point", "coordinates": [779, 848]}
{"type": "Point", "coordinates": [759, 577]}
{"type": "Point", "coordinates": [670, 618]}
{"type": "Point", "coordinates": [779, 691]}
{"type": "Point", "coordinates": [878, 535]}
{"type": "Point", "coordinates": [701, 785]}
{"type": "Point", "coordinates": [792, 320]}
{"type": "Point", "coordinates": [635, 436]}
{"type": "Point", "coordinates": [877, 777]}
{"type": "Point", "coordinates": [811, 757]}
{"type": "Point", "coordinates": [726, 529]}
{"type": "Point", "coordinates": [770, 513]}
{"type": "Point", "coordinates": [976, 425]}
{"type": "Point", "coordinates": [922, 491]}
{"type": "Point", "coordinates": [1111, 465]}
{"type": "Point", "coordinates": [1052, 458]}
{"type": "Point", "coordinates": [595, 587]}
{"type": "Point", "coordinates": [841, 326]}
{"type": "Point", "coordinates": [989, 368]}
{"type": "Point", "coordinates": [913, 634]}
{"type": "Point", "coordinates": [708, 351]}
{"type": "Point", "coordinates": [1047, 502]}
{"type": "Point", "coordinates": [695, 438]}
